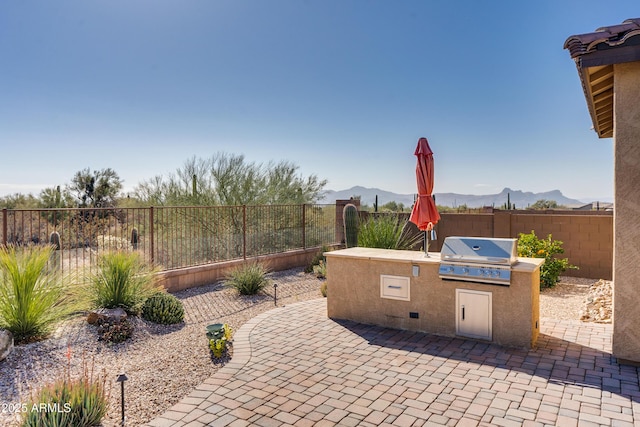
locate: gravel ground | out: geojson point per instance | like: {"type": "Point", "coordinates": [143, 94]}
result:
{"type": "Point", "coordinates": [164, 363]}
{"type": "Point", "coordinates": [565, 300]}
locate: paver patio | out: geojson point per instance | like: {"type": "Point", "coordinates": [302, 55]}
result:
{"type": "Point", "coordinates": [294, 366]}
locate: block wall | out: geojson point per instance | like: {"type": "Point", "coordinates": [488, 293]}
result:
{"type": "Point", "coordinates": [587, 239]}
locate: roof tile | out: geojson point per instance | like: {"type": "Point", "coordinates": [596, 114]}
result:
{"type": "Point", "coordinates": [613, 35]}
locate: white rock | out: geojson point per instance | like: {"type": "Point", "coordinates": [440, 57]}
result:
{"type": "Point", "coordinates": [597, 305]}
{"type": "Point", "coordinates": [6, 343]}
{"type": "Point", "coordinates": [106, 314]}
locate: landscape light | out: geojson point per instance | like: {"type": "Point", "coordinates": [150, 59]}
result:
{"type": "Point", "coordinates": [121, 379]}
{"type": "Point", "coordinates": [275, 294]}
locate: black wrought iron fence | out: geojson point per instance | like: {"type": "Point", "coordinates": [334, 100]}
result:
{"type": "Point", "coordinates": [171, 237]}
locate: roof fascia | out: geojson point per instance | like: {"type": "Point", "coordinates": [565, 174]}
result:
{"type": "Point", "coordinates": [610, 56]}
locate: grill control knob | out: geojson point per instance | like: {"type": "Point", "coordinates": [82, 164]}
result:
{"type": "Point", "coordinates": [496, 273]}
{"type": "Point", "coordinates": [465, 270]}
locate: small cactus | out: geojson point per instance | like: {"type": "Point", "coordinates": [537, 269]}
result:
{"type": "Point", "coordinates": [134, 238]}
{"type": "Point", "coordinates": [350, 217]}
{"type": "Point", "coordinates": [54, 240]}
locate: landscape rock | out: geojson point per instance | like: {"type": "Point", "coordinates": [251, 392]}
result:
{"type": "Point", "coordinates": [6, 343]}
{"type": "Point", "coordinates": [110, 315]}
{"type": "Point", "coordinates": [598, 303]}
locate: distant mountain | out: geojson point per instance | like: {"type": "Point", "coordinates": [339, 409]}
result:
{"type": "Point", "coordinates": [518, 198]}
{"type": "Point", "coordinates": [368, 196]}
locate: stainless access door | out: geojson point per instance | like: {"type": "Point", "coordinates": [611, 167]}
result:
{"type": "Point", "coordinates": [474, 311]}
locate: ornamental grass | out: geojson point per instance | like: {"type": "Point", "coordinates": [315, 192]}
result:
{"type": "Point", "coordinates": [122, 280]}
{"type": "Point", "coordinates": [33, 295]}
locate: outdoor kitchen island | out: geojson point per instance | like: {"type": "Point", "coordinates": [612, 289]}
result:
{"type": "Point", "coordinates": [403, 290]}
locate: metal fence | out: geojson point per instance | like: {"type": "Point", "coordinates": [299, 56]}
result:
{"type": "Point", "coordinates": [171, 237]}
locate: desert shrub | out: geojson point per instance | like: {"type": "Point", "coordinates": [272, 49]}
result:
{"type": "Point", "coordinates": [81, 402]}
{"type": "Point", "coordinates": [32, 298]}
{"type": "Point", "coordinates": [108, 242]}
{"type": "Point", "coordinates": [163, 308]}
{"type": "Point", "coordinates": [248, 279]}
{"type": "Point", "coordinates": [323, 289]}
{"type": "Point", "coordinates": [114, 331]}
{"type": "Point", "coordinates": [320, 270]}
{"type": "Point", "coordinates": [385, 232]}
{"type": "Point", "coordinates": [529, 245]}
{"type": "Point", "coordinates": [316, 259]}
{"type": "Point", "coordinates": [122, 279]}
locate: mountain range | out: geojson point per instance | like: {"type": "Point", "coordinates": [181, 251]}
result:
{"type": "Point", "coordinates": [520, 199]}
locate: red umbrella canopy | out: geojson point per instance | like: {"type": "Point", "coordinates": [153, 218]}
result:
{"type": "Point", "coordinates": [425, 213]}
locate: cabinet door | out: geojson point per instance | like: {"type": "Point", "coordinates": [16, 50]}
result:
{"type": "Point", "coordinates": [473, 318]}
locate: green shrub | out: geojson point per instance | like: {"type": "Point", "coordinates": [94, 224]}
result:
{"type": "Point", "coordinates": [81, 402]}
{"type": "Point", "coordinates": [385, 232]}
{"type": "Point", "coordinates": [32, 299]}
{"type": "Point", "coordinates": [248, 279]}
{"type": "Point", "coordinates": [122, 280]}
{"type": "Point", "coordinates": [163, 308]}
{"type": "Point", "coordinates": [529, 245]}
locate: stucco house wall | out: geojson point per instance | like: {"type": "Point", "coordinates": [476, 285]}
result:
{"type": "Point", "coordinates": [626, 261]}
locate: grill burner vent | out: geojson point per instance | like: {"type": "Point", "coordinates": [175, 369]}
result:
{"type": "Point", "coordinates": [478, 259]}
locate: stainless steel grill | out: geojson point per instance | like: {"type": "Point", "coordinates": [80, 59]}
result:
{"type": "Point", "coordinates": [478, 259]}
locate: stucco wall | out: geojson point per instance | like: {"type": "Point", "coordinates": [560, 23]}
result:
{"type": "Point", "coordinates": [587, 236]}
{"type": "Point", "coordinates": [587, 240]}
{"type": "Point", "coordinates": [626, 269]}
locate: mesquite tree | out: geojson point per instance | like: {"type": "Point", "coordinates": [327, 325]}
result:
{"type": "Point", "coordinates": [229, 179]}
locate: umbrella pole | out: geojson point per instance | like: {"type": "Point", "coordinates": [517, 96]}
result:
{"type": "Point", "coordinates": [426, 244]}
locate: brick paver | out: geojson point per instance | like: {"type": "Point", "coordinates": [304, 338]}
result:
{"type": "Point", "coordinates": [294, 366]}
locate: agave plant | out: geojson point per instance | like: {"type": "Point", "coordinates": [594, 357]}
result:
{"type": "Point", "coordinates": [32, 297]}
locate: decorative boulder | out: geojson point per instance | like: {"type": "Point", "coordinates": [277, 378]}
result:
{"type": "Point", "coordinates": [6, 343]}
{"type": "Point", "coordinates": [110, 315]}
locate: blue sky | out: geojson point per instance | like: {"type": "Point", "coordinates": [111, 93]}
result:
{"type": "Point", "coordinates": [344, 89]}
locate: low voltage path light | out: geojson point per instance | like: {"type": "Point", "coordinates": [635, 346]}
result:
{"type": "Point", "coordinates": [275, 294]}
{"type": "Point", "coordinates": [121, 379]}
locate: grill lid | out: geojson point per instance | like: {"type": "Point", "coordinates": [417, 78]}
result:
{"type": "Point", "coordinates": [480, 250]}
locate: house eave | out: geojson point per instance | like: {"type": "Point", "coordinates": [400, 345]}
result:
{"type": "Point", "coordinates": [595, 55]}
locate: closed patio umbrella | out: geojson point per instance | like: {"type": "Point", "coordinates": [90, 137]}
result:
{"type": "Point", "coordinates": [424, 213]}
